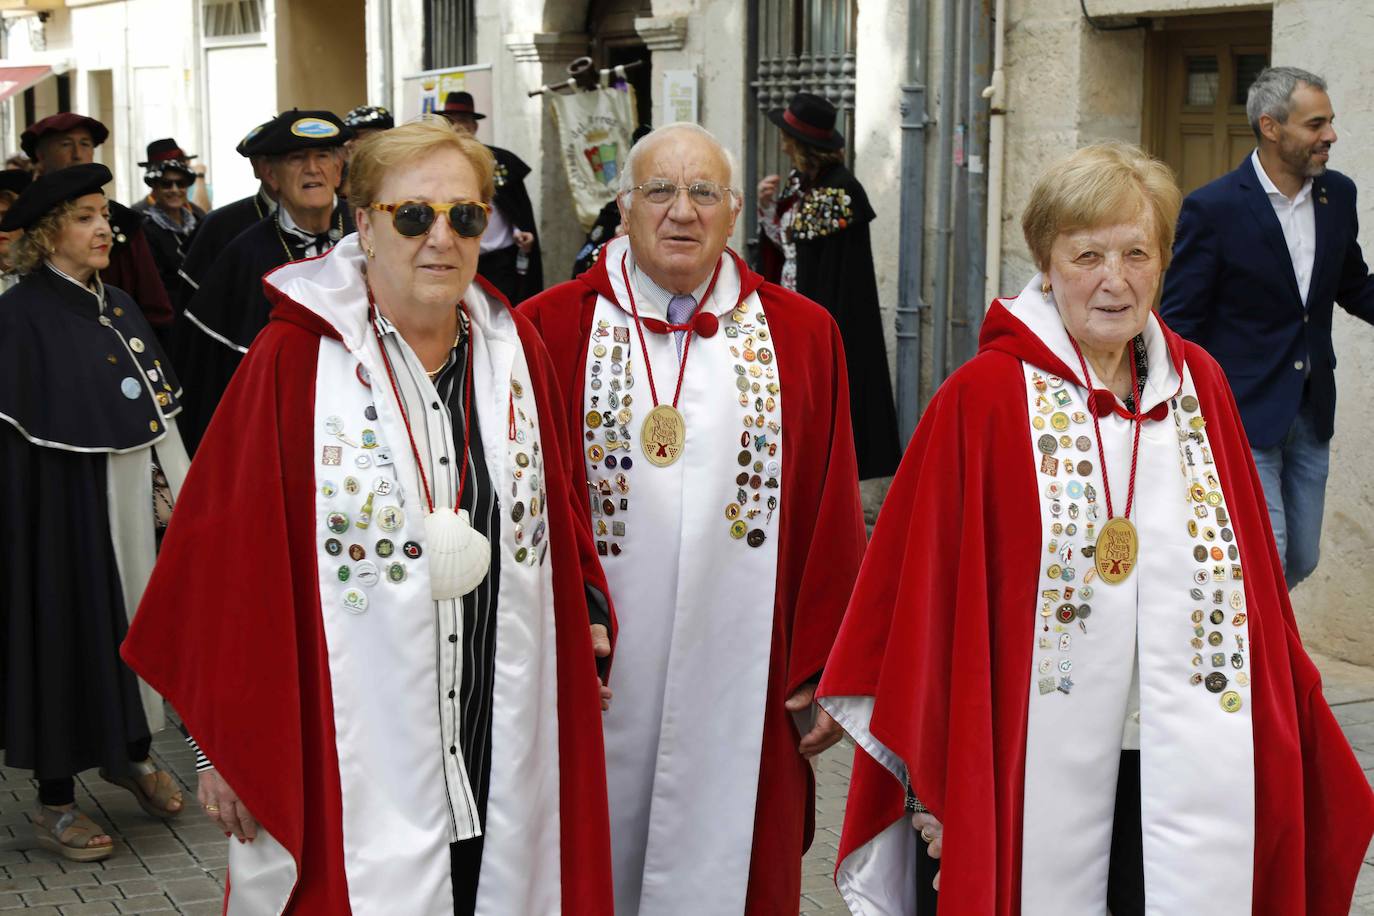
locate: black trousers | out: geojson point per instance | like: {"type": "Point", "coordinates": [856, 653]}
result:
{"type": "Point", "coordinates": [1125, 874]}
{"type": "Point", "coordinates": [62, 789]}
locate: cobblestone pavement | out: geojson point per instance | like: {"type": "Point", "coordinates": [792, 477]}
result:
{"type": "Point", "coordinates": [178, 866]}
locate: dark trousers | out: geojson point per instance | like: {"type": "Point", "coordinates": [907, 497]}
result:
{"type": "Point", "coordinates": [61, 790]}
{"type": "Point", "coordinates": [1125, 873]}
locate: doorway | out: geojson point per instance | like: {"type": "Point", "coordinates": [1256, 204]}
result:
{"type": "Point", "coordinates": [614, 42]}
{"type": "Point", "coordinates": [1198, 71]}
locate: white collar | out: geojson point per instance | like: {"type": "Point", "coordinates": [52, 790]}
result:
{"type": "Point", "coordinates": [290, 225]}
{"type": "Point", "coordinates": [1272, 189]}
{"type": "Point", "coordinates": [1041, 317]}
{"type": "Point", "coordinates": [723, 298]}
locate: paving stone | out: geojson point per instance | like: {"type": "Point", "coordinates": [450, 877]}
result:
{"type": "Point", "coordinates": [53, 897]}
{"type": "Point", "coordinates": [33, 869]}
{"type": "Point", "coordinates": [126, 872]}
{"type": "Point", "coordinates": [8, 885]}
{"type": "Point", "coordinates": [193, 890]}
{"type": "Point", "coordinates": [10, 901]}
{"type": "Point", "coordinates": [164, 864]}
{"type": "Point", "coordinates": [154, 903]}
{"type": "Point", "coordinates": [103, 892]}
{"type": "Point", "coordinates": [97, 908]}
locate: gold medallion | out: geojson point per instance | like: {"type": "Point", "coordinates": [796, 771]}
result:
{"type": "Point", "coordinates": [1117, 547]}
{"type": "Point", "coordinates": [663, 435]}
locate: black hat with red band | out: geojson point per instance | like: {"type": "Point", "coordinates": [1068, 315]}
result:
{"type": "Point", "coordinates": [810, 119]}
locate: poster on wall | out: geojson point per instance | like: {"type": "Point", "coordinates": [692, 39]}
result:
{"type": "Point", "coordinates": [425, 92]}
{"type": "Point", "coordinates": [594, 130]}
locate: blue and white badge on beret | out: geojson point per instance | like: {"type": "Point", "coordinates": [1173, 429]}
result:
{"type": "Point", "coordinates": [314, 129]}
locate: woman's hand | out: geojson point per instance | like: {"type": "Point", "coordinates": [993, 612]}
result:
{"type": "Point", "coordinates": [224, 808]}
{"type": "Point", "coordinates": [768, 189]}
{"type": "Point", "coordinates": [933, 832]}
{"type": "Point", "coordinates": [601, 648]}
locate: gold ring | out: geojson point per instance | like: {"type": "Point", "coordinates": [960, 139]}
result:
{"type": "Point", "coordinates": [212, 807]}
{"type": "Point", "coordinates": [926, 834]}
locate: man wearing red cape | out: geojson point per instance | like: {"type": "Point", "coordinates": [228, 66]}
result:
{"type": "Point", "coordinates": [936, 654]}
{"type": "Point", "coordinates": [712, 413]}
{"type": "Point", "coordinates": [262, 648]}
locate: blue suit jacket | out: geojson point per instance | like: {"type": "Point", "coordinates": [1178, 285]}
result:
{"type": "Point", "coordinates": [1232, 289]}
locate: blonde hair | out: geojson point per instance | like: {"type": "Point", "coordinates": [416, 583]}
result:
{"type": "Point", "coordinates": [377, 155]}
{"type": "Point", "coordinates": [1099, 185]}
{"type": "Point", "coordinates": [37, 243]}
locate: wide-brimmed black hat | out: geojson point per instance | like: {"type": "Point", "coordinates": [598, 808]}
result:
{"type": "Point", "coordinates": [810, 119]}
{"type": "Point", "coordinates": [59, 124]}
{"type": "Point", "coordinates": [164, 151]}
{"type": "Point", "coordinates": [166, 156]}
{"type": "Point", "coordinates": [369, 117]}
{"type": "Point", "coordinates": [15, 180]}
{"type": "Point", "coordinates": [296, 130]}
{"type": "Point", "coordinates": [460, 103]}
{"type": "Point", "coordinates": [39, 198]}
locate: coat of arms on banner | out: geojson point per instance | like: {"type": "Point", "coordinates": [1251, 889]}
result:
{"type": "Point", "coordinates": [602, 154]}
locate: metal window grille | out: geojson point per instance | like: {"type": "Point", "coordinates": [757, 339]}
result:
{"type": "Point", "coordinates": [233, 18]}
{"type": "Point", "coordinates": [797, 45]}
{"type": "Point", "coordinates": [450, 33]}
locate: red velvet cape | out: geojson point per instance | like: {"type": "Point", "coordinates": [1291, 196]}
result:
{"type": "Point", "coordinates": [821, 531]}
{"type": "Point", "coordinates": [940, 631]}
{"type": "Point", "coordinates": [229, 629]}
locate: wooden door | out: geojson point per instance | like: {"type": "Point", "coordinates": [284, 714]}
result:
{"type": "Point", "coordinates": [1198, 71]}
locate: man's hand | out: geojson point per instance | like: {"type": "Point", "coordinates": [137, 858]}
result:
{"type": "Point", "coordinates": [933, 832]}
{"type": "Point", "coordinates": [767, 190]}
{"type": "Point", "coordinates": [601, 648]}
{"type": "Point", "coordinates": [524, 240]}
{"type": "Point", "coordinates": [224, 808]}
{"type": "Point", "coordinates": [824, 734]}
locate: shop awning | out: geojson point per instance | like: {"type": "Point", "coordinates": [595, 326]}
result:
{"type": "Point", "coordinates": [14, 80]}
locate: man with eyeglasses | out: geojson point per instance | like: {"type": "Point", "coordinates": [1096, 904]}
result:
{"type": "Point", "coordinates": [172, 219]}
{"type": "Point", "coordinates": [712, 413]}
{"type": "Point", "coordinates": [303, 153]}
{"type": "Point", "coordinates": [510, 258]}
{"type": "Point", "coordinates": [68, 139]}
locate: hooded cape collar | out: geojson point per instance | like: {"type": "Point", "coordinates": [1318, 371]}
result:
{"type": "Point", "coordinates": [1030, 329]}
{"type": "Point", "coordinates": [600, 278]}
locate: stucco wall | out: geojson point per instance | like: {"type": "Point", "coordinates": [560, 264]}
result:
{"type": "Point", "coordinates": [1331, 37]}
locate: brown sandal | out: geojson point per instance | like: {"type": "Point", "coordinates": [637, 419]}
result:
{"type": "Point", "coordinates": [165, 791]}
{"type": "Point", "coordinates": [69, 834]}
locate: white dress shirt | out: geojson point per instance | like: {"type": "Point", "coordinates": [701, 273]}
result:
{"type": "Point", "coordinates": [1298, 219]}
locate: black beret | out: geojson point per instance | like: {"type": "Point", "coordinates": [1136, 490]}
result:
{"type": "Point", "coordinates": [47, 192]}
{"type": "Point", "coordinates": [15, 180]}
{"type": "Point", "coordinates": [246, 145]}
{"type": "Point", "coordinates": [295, 130]}
{"type": "Point", "coordinates": [59, 124]}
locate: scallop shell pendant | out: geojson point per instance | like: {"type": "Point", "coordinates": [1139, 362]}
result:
{"type": "Point", "coordinates": [459, 556]}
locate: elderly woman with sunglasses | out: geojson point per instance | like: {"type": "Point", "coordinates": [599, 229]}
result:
{"type": "Point", "coordinates": [382, 590]}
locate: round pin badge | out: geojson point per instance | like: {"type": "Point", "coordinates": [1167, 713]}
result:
{"type": "Point", "coordinates": [385, 548]}
{"type": "Point", "coordinates": [412, 549]}
{"type": "Point", "coordinates": [1215, 682]}
{"type": "Point", "coordinates": [337, 522]}
{"type": "Point", "coordinates": [390, 518]}
{"type": "Point", "coordinates": [396, 572]}
{"type": "Point", "coordinates": [130, 388]}
{"type": "Point", "coordinates": [355, 600]}
{"type": "Point", "coordinates": [1230, 701]}
{"type": "Point", "coordinates": [328, 488]}
{"type": "Point", "coordinates": [333, 547]}
{"type": "Point", "coordinates": [366, 574]}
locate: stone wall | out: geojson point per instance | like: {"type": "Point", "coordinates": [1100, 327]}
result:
{"type": "Point", "coordinates": [1330, 37]}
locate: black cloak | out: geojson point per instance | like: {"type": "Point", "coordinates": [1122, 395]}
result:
{"type": "Point", "coordinates": [67, 373]}
{"type": "Point", "coordinates": [222, 225]}
{"type": "Point", "coordinates": [513, 201]}
{"type": "Point", "coordinates": [835, 268]}
{"type": "Point", "coordinates": [228, 311]}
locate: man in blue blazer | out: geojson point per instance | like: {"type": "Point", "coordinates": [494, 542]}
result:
{"type": "Point", "coordinates": [1260, 256]}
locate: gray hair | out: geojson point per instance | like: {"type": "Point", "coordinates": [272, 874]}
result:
{"type": "Point", "coordinates": [1272, 94]}
{"type": "Point", "coordinates": [629, 170]}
